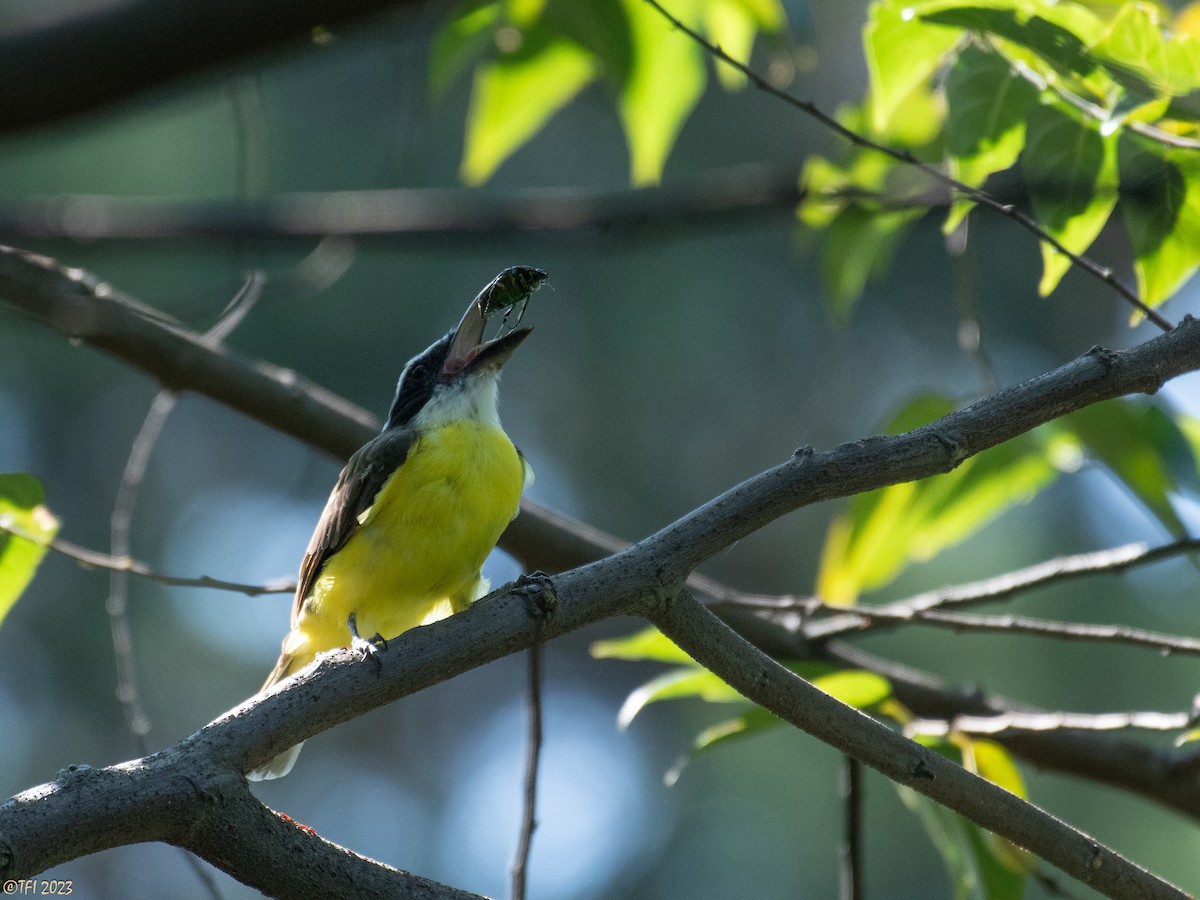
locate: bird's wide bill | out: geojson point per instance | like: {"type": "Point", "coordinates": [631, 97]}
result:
{"type": "Point", "coordinates": [468, 349]}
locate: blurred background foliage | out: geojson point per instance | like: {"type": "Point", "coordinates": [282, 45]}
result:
{"type": "Point", "coordinates": [670, 362]}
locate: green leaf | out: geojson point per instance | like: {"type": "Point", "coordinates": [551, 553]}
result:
{"type": "Point", "coordinates": [988, 107]}
{"type": "Point", "coordinates": [993, 761]}
{"type": "Point", "coordinates": [1160, 205]}
{"type": "Point", "coordinates": [883, 531]}
{"type": "Point", "coordinates": [22, 510]}
{"type": "Point", "coordinates": [600, 26]}
{"type": "Point", "coordinates": [1144, 448]}
{"type": "Point", "coordinates": [647, 644]}
{"type": "Point", "coordinates": [666, 79]}
{"type": "Point", "coordinates": [731, 27]}
{"type": "Point", "coordinates": [459, 43]}
{"type": "Point", "coordinates": [1056, 42]}
{"type": "Point", "coordinates": [858, 243]}
{"type": "Point", "coordinates": [692, 681]}
{"type": "Point", "coordinates": [979, 864]}
{"type": "Point", "coordinates": [1134, 42]}
{"type": "Point", "coordinates": [902, 53]}
{"type": "Point", "coordinates": [1071, 170]}
{"type": "Point", "coordinates": [514, 95]}
{"type": "Point", "coordinates": [854, 687]}
{"type": "Point", "coordinates": [688, 678]}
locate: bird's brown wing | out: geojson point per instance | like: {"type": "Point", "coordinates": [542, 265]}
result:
{"type": "Point", "coordinates": [361, 479]}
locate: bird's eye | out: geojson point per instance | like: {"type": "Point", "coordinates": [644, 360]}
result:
{"type": "Point", "coordinates": [418, 372]}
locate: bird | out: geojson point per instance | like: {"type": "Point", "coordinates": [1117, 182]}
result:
{"type": "Point", "coordinates": [417, 509]}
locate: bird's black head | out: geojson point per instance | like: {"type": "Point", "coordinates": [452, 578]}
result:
{"type": "Point", "coordinates": [417, 381]}
{"type": "Point", "coordinates": [463, 356]}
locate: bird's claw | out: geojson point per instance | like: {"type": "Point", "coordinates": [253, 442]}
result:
{"type": "Point", "coordinates": [539, 591]}
{"type": "Point", "coordinates": [367, 648]}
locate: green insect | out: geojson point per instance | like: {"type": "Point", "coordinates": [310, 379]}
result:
{"type": "Point", "coordinates": [509, 289]}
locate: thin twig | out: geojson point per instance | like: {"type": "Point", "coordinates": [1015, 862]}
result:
{"type": "Point", "coordinates": [699, 633]}
{"type": "Point", "coordinates": [977, 195]}
{"type": "Point", "coordinates": [1013, 722]}
{"type": "Point", "coordinates": [121, 526]}
{"type": "Point", "coordinates": [843, 620]}
{"type": "Point", "coordinates": [1067, 631]}
{"type": "Point", "coordinates": [850, 870]}
{"type": "Point", "coordinates": [520, 868]}
{"type": "Point", "coordinates": [118, 590]}
{"type": "Point", "coordinates": [92, 559]}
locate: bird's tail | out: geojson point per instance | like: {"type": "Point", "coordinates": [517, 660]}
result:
{"type": "Point", "coordinates": [281, 764]}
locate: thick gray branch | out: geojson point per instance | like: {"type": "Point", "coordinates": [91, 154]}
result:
{"type": "Point", "coordinates": [715, 646]}
{"type": "Point", "coordinates": [635, 581]}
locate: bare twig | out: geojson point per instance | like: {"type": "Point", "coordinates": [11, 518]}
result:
{"type": "Point", "coordinates": [977, 195]}
{"type": "Point", "coordinates": [1013, 722]}
{"type": "Point", "coordinates": [118, 590]}
{"type": "Point", "coordinates": [533, 751]}
{"type": "Point", "coordinates": [91, 559]}
{"type": "Point", "coordinates": [1066, 631]}
{"type": "Point", "coordinates": [850, 870]}
{"type": "Point", "coordinates": [795, 612]}
{"type": "Point", "coordinates": [121, 525]}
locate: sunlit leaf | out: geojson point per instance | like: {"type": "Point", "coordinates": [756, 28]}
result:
{"type": "Point", "coordinates": [1134, 41]}
{"type": "Point", "coordinates": [23, 510]}
{"type": "Point", "coordinates": [1071, 170]}
{"type": "Point", "coordinates": [902, 53]}
{"type": "Point", "coordinates": [995, 763]}
{"type": "Point", "coordinates": [1055, 42]}
{"type": "Point", "coordinates": [731, 27]}
{"type": "Point", "coordinates": [1144, 448]}
{"type": "Point", "coordinates": [600, 26]}
{"type": "Point", "coordinates": [883, 531]}
{"type": "Point", "coordinates": [1188, 737]}
{"type": "Point", "coordinates": [665, 82]}
{"type": "Point", "coordinates": [515, 94]}
{"type": "Point", "coordinates": [647, 644]}
{"type": "Point", "coordinates": [1160, 204]}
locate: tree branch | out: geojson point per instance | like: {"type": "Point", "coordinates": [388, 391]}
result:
{"type": "Point", "coordinates": [715, 646]}
{"type": "Point", "coordinates": [1162, 774]}
{"type": "Point", "coordinates": [988, 590]}
{"type": "Point", "coordinates": [79, 306]}
{"type": "Point", "coordinates": [977, 195]}
{"type": "Point", "coordinates": [733, 194]}
{"type": "Point", "coordinates": [637, 581]}
{"type": "Point", "coordinates": [92, 559]}
{"type": "Point", "coordinates": [66, 63]}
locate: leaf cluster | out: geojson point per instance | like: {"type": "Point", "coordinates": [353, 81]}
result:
{"type": "Point", "coordinates": [1093, 108]}
{"type": "Point", "coordinates": [530, 58]}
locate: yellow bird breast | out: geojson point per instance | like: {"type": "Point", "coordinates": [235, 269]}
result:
{"type": "Point", "coordinates": [417, 552]}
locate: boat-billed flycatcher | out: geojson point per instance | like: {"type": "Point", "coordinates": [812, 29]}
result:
{"type": "Point", "coordinates": [417, 509]}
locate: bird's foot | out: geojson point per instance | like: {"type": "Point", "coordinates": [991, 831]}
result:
{"type": "Point", "coordinates": [542, 598]}
{"type": "Point", "coordinates": [367, 648]}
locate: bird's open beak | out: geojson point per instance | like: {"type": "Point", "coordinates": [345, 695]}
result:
{"type": "Point", "coordinates": [470, 352]}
